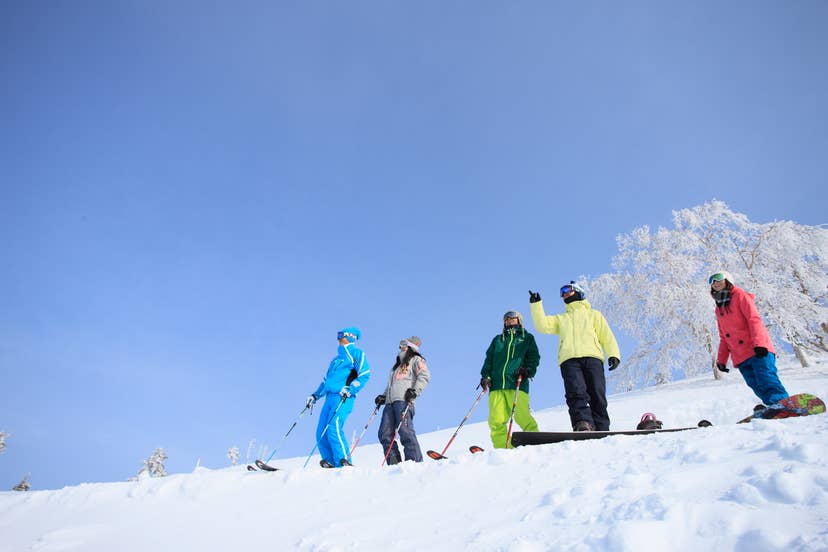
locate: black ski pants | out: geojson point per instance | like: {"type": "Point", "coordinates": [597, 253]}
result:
{"type": "Point", "coordinates": [586, 391]}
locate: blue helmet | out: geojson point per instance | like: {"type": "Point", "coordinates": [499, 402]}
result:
{"type": "Point", "coordinates": [351, 333]}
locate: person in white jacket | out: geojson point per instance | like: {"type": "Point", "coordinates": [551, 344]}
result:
{"type": "Point", "coordinates": [409, 377]}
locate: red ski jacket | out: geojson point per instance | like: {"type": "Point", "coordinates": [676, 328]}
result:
{"type": "Point", "coordinates": [740, 328]}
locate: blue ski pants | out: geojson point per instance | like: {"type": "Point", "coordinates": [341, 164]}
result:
{"type": "Point", "coordinates": [760, 375]}
{"type": "Point", "coordinates": [333, 446]}
{"type": "Point", "coordinates": [391, 416]}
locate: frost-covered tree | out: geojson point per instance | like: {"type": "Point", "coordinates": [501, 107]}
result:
{"type": "Point", "coordinates": [24, 485]}
{"type": "Point", "coordinates": [3, 437]}
{"type": "Point", "coordinates": [659, 292]}
{"type": "Point", "coordinates": [153, 466]}
{"type": "Point", "coordinates": [155, 463]}
{"type": "Point", "coordinates": [233, 454]}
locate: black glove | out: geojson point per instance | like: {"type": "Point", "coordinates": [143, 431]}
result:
{"type": "Point", "coordinates": [310, 402]}
{"type": "Point", "coordinates": [410, 394]}
{"type": "Point", "coordinates": [613, 363]}
{"type": "Point", "coordinates": [485, 383]}
{"type": "Point", "coordinates": [534, 296]}
{"type": "Point", "coordinates": [722, 368]}
{"type": "Point", "coordinates": [761, 352]}
{"type": "Point", "coordinates": [379, 400]}
{"type": "Point", "coordinates": [523, 373]}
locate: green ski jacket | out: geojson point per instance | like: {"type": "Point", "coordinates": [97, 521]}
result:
{"type": "Point", "coordinates": [510, 350]}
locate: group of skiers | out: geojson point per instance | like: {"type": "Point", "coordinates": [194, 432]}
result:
{"type": "Point", "coordinates": [512, 359]}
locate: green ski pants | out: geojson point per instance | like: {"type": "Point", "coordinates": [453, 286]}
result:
{"type": "Point", "coordinates": [500, 407]}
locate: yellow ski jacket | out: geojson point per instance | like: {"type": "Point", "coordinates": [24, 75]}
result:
{"type": "Point", "coordinates": [583, 331]}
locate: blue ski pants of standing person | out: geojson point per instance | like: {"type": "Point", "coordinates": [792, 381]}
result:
{"type": "Point", "coordinates": [760, 375]}
{"type": "Point", "coordinates": [333, 446]}
{"type": "Point", "coordinates": [391, 416]}
{"type": "Point", "coordinates": [586, 391]}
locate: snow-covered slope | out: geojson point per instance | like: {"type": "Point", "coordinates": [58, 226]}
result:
{"type": "Point", "coordinates": [751, 487]}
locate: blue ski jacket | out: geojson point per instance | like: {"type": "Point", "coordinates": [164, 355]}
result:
{"type": "Point", "coordinates": [349, 367]}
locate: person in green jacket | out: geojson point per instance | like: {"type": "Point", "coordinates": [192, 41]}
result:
{"type": "Point", "coordinates": [511, 352]}
{"type": "Point", "coordinates": [584, 338]}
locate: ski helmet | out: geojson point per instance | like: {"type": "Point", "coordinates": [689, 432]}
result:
{"type": "Point", "coordinates": [513, 314]}
{"type": "Point", "coordinates": [719, 276]}
{"type": "Point", "coordinates": [351, 333]}
{"type": "Point", "coordinates": [572, 286]}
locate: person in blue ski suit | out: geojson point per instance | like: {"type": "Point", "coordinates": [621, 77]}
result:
{"type": "Point", "coordinates": [346, 377]}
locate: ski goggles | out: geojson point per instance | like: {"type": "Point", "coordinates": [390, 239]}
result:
{"type": "Point", "coordinates": [718, 277]}
{"type": "Point", "coordinates": [511, 314]}
{"type": "Point", "coordinates": [567, 289]}
{"type": "Point", "coordinates": [340, 335]}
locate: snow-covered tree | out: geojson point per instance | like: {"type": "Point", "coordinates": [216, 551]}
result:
{"type": "Point", "coordinates": [24, 485]}
{"type": "Point", "coordinates": [155, 463]}
{"type": "Point", "coordinates": [3, 437]}
{"type": "Point", "coordinates": [153, 466]}
{"type": "Point", "coordinates": [659, 292]}
{"type": "Point", "coordinates": [233, 454]}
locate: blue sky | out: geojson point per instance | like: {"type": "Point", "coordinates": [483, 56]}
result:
{"type": "Point", "coordinates": [195, 198]}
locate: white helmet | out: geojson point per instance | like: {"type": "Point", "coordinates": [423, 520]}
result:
{"type": "Point", "coordinates": [719, 276]}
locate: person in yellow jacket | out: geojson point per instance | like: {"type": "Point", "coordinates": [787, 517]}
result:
{"type": "Point", "coordinates": [585, 337]}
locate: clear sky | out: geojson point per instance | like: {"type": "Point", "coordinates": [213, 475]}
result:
{"type": "Point", "coordinates": [195, 197]}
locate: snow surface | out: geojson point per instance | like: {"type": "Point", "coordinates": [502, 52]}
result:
{"type": "Point", "coordinates": [751, 487]}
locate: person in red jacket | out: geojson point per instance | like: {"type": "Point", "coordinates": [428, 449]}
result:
{"type": "Point", "coordinates": [743, 338]}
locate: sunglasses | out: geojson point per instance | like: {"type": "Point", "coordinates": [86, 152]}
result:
{"type": "Point", "coordinates": [567, 289]}
{"type": "Point", "coordinates": [340, 335]}
{"type": "Point", "coordinates": [718, 277]}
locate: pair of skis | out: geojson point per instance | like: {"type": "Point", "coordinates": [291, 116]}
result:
{"type": "Point", "coordinates": [474, 449]}
{"type": "Point", "coordinates": [261, 466]}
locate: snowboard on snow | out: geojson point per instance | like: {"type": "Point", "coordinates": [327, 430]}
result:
{"type": "Point", "coordinates": [803, 404]}
{"type": "Point", "coordinates": [520, 438]}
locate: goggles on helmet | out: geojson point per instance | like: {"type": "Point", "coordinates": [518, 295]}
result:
{"type": "Point", "coordinates": [511, 314]}
{"type": "Point", "coordinates": [718, 277]}
{"type": "Point", "coordinates": [340, 335]}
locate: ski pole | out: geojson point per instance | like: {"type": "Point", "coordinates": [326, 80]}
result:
{"type": "Point", "coordinates": [296, 421]}
{"type": "Point", "coordinates": [364, 429]}
{"type": "Point", "coordinates": [396, 431]}
{"type": "Point", "coordinates": [512, 415]}
{"type": "Point", "coordinates": [477, 400]}
{"type": "Point", "coordinates": [325, 430]}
